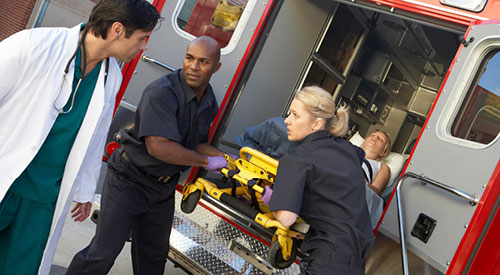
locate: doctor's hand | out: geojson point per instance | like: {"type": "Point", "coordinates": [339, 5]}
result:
{"type": "Point", "coordinates": [81, 211]}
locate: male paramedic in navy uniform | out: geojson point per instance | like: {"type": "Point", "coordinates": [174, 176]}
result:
{"type": "Point", "coordinates": [170, 134]}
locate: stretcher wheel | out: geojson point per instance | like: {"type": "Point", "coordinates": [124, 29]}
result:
{"type": "Point", "coordinates": [189, 204]}
{"type": "Point", "coordinates": [275, 257]}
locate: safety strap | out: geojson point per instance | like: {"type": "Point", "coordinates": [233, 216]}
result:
{"type": "Point", "coordinates": [233, 187]}
{"type": "Point", "coordinates": [254, 203]}
{"type": "Point", "coordinates": [368, 166]}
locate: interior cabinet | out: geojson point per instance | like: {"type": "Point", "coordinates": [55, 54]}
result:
{"type": "Point", "coordinates": [370, 99]}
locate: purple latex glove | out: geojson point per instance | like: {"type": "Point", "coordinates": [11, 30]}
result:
{"type": "Point", "coordinates": [267, 195]}
{"type": "Point", "coordinates": [216, 163]}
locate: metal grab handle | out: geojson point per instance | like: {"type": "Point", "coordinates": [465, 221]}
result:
{"type": "Point", "coordinates": [473, 200]}
{"type": "Point", "coordinates": [146, 58]}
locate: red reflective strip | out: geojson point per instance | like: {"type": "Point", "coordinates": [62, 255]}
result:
{"type": "Point", "coordinates": [236, 78]}
{"type": "Point", "coordinates": [487, 259]}
{"type": "Point", "coordinates": [430, 12]}
{"type": "Point", "coordinates": [128, 69]}
{"type": "Point", "coordinates": [478, 222]}
{"type": "Point", "coordinates": [486, 22]}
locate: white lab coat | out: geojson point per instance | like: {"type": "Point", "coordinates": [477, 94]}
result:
{"type": "Point", "coordinates": [32, 63]}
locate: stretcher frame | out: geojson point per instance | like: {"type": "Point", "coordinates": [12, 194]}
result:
{"type": "Point", "coordinates": [253, 171]}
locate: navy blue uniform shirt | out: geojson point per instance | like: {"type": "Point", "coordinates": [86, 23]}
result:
{"type": "Point", "coordinates": [169, 108]}
{"type": "Point", "coordinates": [321, 180]}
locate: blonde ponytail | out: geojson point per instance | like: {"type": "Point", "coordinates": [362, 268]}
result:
{"type": "Point", "coordinates": [339, 124]}
{"type": "Point", "coordinates": [321, 105]}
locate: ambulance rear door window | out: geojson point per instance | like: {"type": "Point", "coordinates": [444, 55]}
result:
{"type": "Point", "coordinates": [216, 18]}
{"type": "Point", "coordinates": [478, 118]}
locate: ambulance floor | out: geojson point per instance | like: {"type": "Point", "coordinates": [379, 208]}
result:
{"type": "Point", "coordinates": [76, 236]}
{"type": "Point", "coordinates": [385, 259]}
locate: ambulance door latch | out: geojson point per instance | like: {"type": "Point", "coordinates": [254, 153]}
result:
{"type": "Point", "coordinates": [423, 227]}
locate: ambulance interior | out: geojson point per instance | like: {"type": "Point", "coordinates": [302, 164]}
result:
{"type": "Point", "coordinates": [391, 69]}
{"type": "Point", "coordinates": [387, 68]}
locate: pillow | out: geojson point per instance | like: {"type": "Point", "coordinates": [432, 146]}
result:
{"type": "Point", "coordinates": [357, 139]}
{"type": "Point", "coordinates": [395, 161]}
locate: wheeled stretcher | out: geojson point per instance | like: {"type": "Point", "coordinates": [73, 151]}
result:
{"type": "Point", "coordinates": [249, 175]}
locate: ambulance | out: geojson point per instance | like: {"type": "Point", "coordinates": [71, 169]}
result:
{"type": "Point", "coordinates": [425, 71]}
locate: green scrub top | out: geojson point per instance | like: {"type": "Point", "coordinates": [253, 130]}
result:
{"type": "Point", "coordinates": [41, 180]}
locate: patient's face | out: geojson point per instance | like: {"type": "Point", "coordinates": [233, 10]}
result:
{"type": "Point", "coordinates": [299, 122]}
{"type": "Point", "coordinates": [376, 143]}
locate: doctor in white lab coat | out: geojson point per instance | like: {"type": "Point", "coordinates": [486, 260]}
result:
{"type": "Point", "coordinates": [32, 65]}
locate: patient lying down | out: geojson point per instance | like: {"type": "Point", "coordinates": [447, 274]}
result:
{"type": "Point", "coordinates": [377, 173]}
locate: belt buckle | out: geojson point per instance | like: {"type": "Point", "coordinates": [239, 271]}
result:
{"type": "Point", "coordinates": [163, 179]}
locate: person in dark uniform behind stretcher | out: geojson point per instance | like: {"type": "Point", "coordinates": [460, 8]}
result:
{"type": "Point", "coordinates": [330, 198]}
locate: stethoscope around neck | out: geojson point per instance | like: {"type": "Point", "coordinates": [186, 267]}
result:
{"type": "Point", "coordinates": [81, 43]}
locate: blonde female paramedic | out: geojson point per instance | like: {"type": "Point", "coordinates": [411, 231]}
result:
{"type": "Point", "coordinates": [330, 198]}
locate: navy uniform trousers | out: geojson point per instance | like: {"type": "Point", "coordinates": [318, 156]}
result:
{"type": "Point", "coordinates": [323, 260]}
{"type": "Point", "coordinates": [130, 201]}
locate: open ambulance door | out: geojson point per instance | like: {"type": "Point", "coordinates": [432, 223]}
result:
{"type": "Point", "coordinates": [236, 25]}
{"type": "Point", "coordinates": [449, 192]}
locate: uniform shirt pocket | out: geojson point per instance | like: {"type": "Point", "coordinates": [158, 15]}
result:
{"type": "Point", "coordinates": [204, 122]}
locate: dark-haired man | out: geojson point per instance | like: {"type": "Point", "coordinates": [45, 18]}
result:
{"type": "Point", "coordinates": [170, 134]}
{"type": "Point", "coordinates": [57, 95]}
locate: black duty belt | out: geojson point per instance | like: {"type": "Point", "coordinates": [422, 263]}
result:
{"type": "Point", "coordinates": [160, 179]}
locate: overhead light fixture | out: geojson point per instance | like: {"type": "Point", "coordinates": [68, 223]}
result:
{"type": "Point", "coordinates": [470, 5]}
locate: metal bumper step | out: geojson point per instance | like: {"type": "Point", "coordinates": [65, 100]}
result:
{"type": "Point", "coordinates": [204, 243]}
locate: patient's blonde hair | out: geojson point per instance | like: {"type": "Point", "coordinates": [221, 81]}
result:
{"type": "Point", "coordinates": [320, 104]}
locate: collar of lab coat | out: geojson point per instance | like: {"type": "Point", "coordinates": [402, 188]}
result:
{"type": "Point", "coordinates": [99, 93]}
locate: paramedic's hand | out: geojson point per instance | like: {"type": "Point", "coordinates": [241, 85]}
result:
{"type": "Point", "coordinates": [81, 211]}
{"type": "Point", "coordinates": [267, 195]}
{"type": "Point", "coordinates": [216, 163]}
